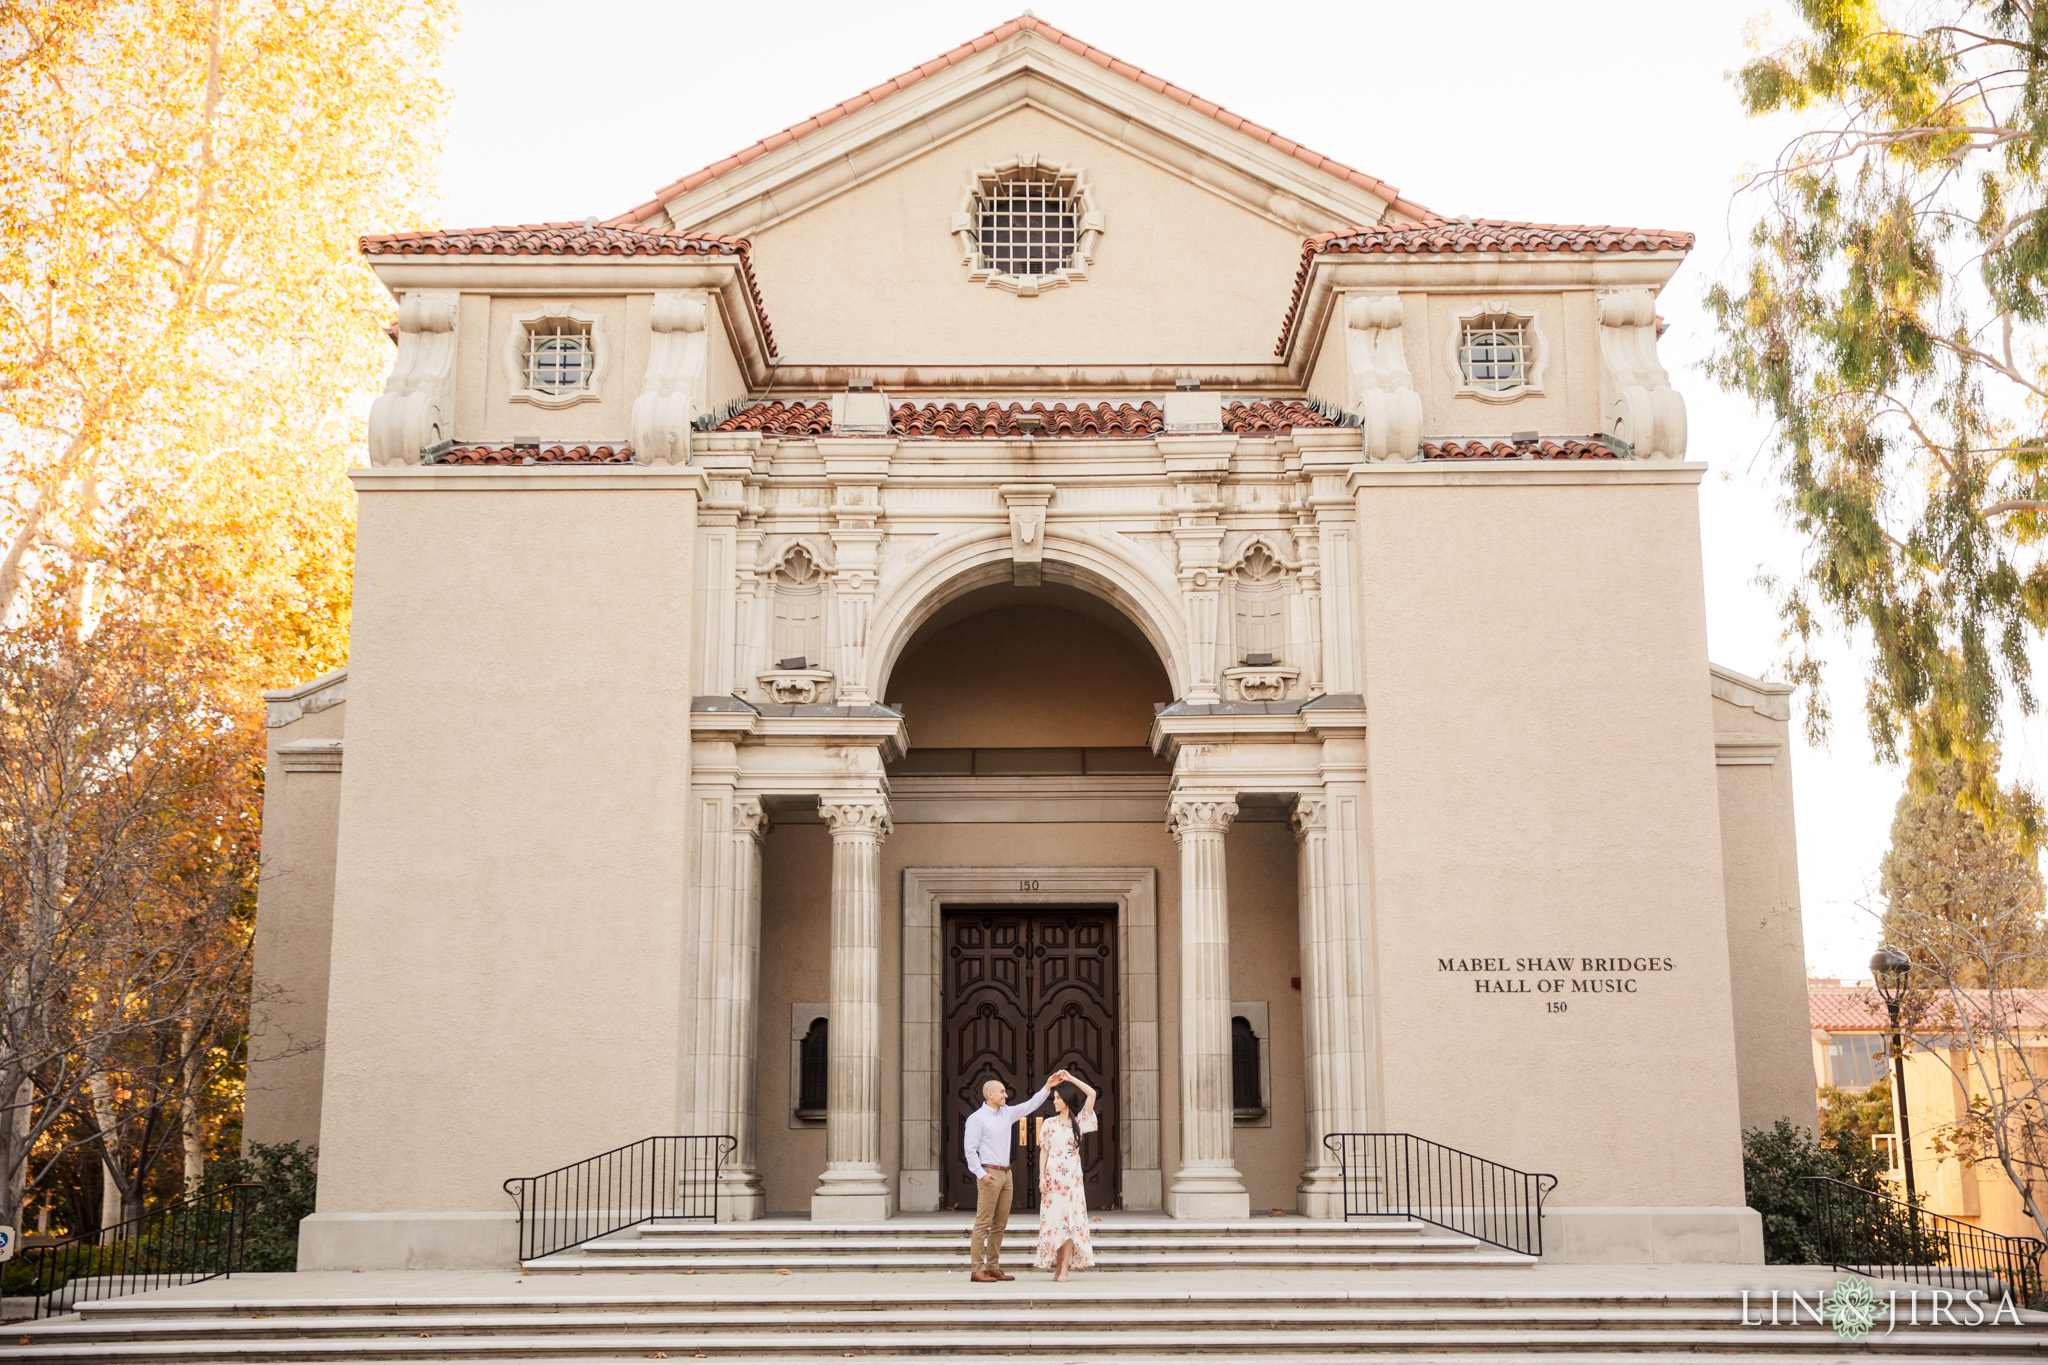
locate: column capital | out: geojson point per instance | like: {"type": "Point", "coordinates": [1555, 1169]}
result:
{"type": "Point", "coordinates": [1200, 813]}
{"type": "Point", "coordinates": [749, 817]}
{"type": "Point", "coordinates": [852, 817]}
{"type": "Point", "coordinates": [1309, 815]}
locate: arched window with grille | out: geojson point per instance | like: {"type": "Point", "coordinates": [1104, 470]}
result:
{"type": "Point", "coordinates": [811, 1054]}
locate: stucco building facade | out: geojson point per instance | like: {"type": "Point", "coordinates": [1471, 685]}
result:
{"type": "Point", "coordinates": [1028, 568]}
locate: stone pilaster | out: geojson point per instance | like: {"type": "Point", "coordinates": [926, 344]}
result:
{"type": "Point", "coordinates": [853, 1188]}
{"type": "Point", "coordinates": [1335, 1005]}
{"type": "Point", "coordinates": [1208, 1184]}
{"type": "Point", "coordinates": [721, 991]}
{"type": "Point", "coordinates": [741, 1195]}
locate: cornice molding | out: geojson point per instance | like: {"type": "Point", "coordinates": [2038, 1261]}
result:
{"type": "Point", "coordinates": [288, 704]}
{"type": "Point", "coordinates": [529, 479]}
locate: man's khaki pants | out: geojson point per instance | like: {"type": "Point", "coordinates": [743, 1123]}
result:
{"type": "Point", "coordinates": [991, 1216]}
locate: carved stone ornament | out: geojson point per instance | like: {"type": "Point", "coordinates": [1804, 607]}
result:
{"type": "Point", "coordinates": [797, 686]}
{"type": "Point", "coordinates": [417, 408]}
{"type": "Point", "coordinates": [1252, 682]}
{"type": "Point", "coordinates": [851, 819]}
{"type": "Point", "coordinates": [1381, 389]}
{"type": "Point", "coordinates": [1200, 813]}
{"type": "Point", "coordinates": [515, 354]}
{"type": "Point", "coordinates": [1027, 503]}
{"type": "Point", "coordinates": [1309, 816]}
{"type": "Point", "coordinates": [1637, 402]}
{"type": "Point", "coordinates": [675, 388]}
{"type": "Point", "coordinates": [749, 817]}
{"type": "Point", "coordinates": [1088, 225]}
{"type": "Point", "coordinates": [1536, 350]}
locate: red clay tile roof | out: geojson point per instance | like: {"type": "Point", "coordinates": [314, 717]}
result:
{"type": "Point", "coordinates": [1846, 1009]}
{"type": "Point", "coordinates": [972, 421]}
{"type": "Point", "coordinates": [574, 239]}
{"type": "Point", "coordinates": [508, 453]}
{"type": "Point", "coordinates": [782, 419]}
{"type": "Point", "coordinates": [1543, 448]}
{"type": "Point", "coordinates": [553, 239]}
{"type": "Point", "coordinates": [1480, 235]}
{"type": "Point", "coordinates": [1497, 235]}
{"type": "Point", "coordinates": [1003, 33]}
{"type": "Point", "coordinates": [1857, 1009]}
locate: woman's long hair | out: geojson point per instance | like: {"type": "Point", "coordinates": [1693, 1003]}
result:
{"type": "Point", "coordinates": [1071, 1095]}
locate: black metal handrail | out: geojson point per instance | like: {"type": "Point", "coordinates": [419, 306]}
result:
{"type": "Point", "coordinates": [199, 1237]}
{"type": "Point", "coordinates": [1876, 1235]}
{"type": "Point", "coordinates": [657, 1177]}
{"type": "Point", "coordinates": [1399, 1174]}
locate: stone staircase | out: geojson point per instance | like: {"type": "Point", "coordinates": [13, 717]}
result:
{"type": "Point", "coordinates": [1564, 1314]}
{"type": "Point", "coordinates": [1123, 1242]}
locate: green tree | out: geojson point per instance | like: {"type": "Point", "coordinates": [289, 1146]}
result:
{"type": "Point", "coordinates": [1962, 891]}
{"type": "Point", "coordinates": [1849, 1119]}
{"type": "Point", "coordinates": [1889, 317]}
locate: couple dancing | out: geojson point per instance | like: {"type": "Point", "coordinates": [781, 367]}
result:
{"type": "Point", "coordinates": [1062, 1204]}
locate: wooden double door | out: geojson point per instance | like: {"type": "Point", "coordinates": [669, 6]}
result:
{"type": "Point", "coordinates": [1029, 991]}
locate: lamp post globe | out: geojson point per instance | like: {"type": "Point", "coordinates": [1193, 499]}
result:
{"type": "Point", "coordinates": [1889, 968]}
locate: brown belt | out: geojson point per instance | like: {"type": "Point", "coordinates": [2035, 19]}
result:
{"type": "Point", "coordinates": [991, 1166]}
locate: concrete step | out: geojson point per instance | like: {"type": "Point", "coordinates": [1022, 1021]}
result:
{"type": "Point", "coordinates": [1043, 1343]}
{"type": "Point", "coordinates": [1048, 1322]}
{"type": "Point", "coordinates": [1121, 1243]}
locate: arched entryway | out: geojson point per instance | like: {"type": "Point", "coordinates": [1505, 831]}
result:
{"type": "Point", "coordinates": [1029, 709]}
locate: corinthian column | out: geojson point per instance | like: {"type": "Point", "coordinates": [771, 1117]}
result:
{"type": "Point", "coordinates": [853, 1188]}
{"type": "Point", "coordinates": [741, 1196]}
{"type": "Point", "coordinates": [1208, 1184]}
{"type": "Point", "coordinates": [1335, 1018]}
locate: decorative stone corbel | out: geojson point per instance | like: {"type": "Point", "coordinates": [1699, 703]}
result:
{"type": "Point", "coordinates": [675, 389]}
{"type": "Point", "coordinates": [1027, 503]}
{"type": "Point", "coordinates": [797, 686]}
{"type": "Point", "coordinates": [417, 408]}
{"type": "Point", "coordinates": [1381, 390]}
{"type": "Point", "coordinates": [1637, 402]}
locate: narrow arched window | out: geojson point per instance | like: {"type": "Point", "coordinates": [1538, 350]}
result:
{"type": "Point", "coordinates": [1246, 1093]}
{"type": "Point", "coordinates": [810, 1095]}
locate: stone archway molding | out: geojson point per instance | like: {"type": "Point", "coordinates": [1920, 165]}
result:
{"type": "Point", "coordinates": [1134, 893]}
{"type": "Point", "coordinates": [1106, 566]}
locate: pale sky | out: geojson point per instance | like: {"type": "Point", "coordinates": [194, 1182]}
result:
{"type": "Point", "coordinates": [1576, 111]}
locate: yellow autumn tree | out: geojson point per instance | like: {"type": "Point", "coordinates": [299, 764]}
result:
{"type": "Point", "coordinates": [188, 341]}
{"type": "Point", "coordinates": [187, 324]}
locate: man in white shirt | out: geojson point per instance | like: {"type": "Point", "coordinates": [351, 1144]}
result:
{"type": "Point", "coordinates": [988, 1160]}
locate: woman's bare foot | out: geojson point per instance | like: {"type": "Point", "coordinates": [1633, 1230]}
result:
{"type": "Point", "coordinates": [1066, 1255]}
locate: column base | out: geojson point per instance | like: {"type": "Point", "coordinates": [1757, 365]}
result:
{"type": "Point", "coordinates": [1320, 1193]}
{"type": "Point", "coordinates": [1208, 1192]}
{"type": "Point", "coordinates": [741, 1198]}
{"type": "Point", "coordinates": [852, 1194]}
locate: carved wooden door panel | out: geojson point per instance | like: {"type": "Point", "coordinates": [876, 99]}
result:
{"type": "Point", "coordinates": [1029, 991]}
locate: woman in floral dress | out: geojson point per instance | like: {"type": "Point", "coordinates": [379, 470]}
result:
{"type": "Point", "coordinates": [1062, 1201]}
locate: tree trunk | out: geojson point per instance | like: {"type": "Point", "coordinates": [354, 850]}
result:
{"type": "Point", "coordinates": [14, 1155]}
{"type": "Point", "coordinates": [113, 1207]}
{"type": "Point", "coordinates": [188, 1108]}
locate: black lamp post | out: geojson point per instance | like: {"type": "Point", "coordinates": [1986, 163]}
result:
{"type": "Point", "coordinates": [1890, 968]}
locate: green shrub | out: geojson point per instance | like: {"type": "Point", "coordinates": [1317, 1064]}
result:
{"type": "Point", "coordinates": [1774, 1162]}
{"type": "Point", "coordinates": [289, 1175]}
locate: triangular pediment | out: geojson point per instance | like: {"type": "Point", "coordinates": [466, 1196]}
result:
{"type": "Point", "coordinates": [1023, 64]}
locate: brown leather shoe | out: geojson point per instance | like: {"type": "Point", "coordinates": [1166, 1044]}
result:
{"type": "Point", "coordinates": [998, 1273]}
{"type": "Point", "coordinates": [982, 1277]}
